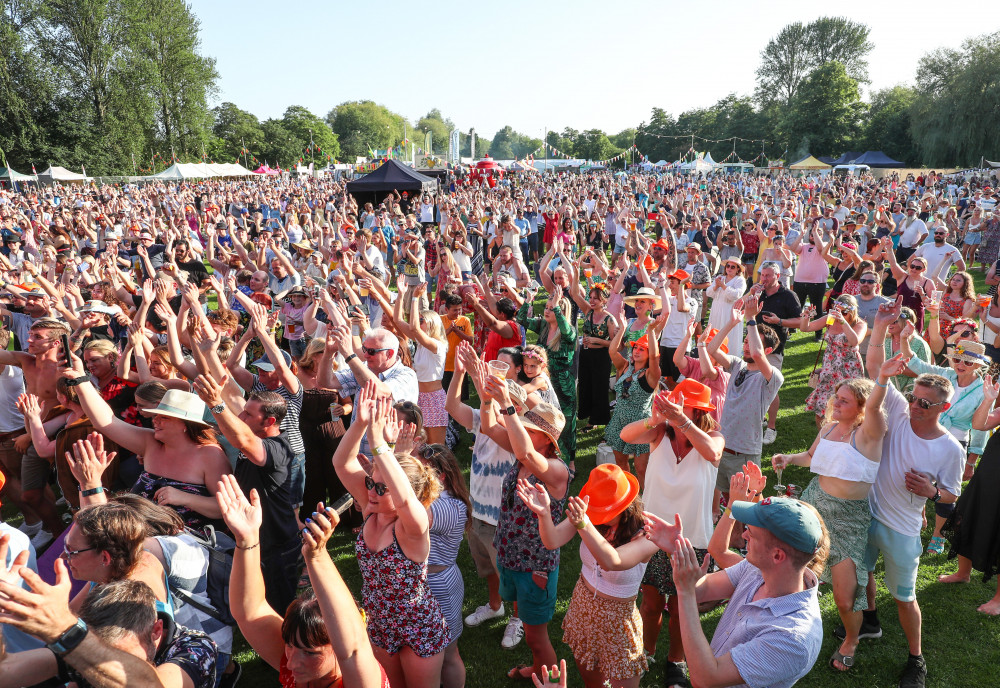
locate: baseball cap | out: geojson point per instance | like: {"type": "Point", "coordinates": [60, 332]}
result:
{"type": "Point", "coordinates": [787, 519]}
{"type": "Point", "coordinates": [264, 363]}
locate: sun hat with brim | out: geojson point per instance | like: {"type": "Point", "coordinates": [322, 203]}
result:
{"type": "Point", "coordinates": [785, 518]}
{"type": "Point", "coordinates": [546, 419]}
{"type": "Point", "coordinates": [517, 393]}
{"type": "Point", "coordinates": [644, 293]}
{"type": "Point", "coordinates": [661, 243]}
{"type": "Point", "coordinates": [611, 491]}
{"type": "Point", "coordinates": [264, 363]}
{"type": "Point", "coordinates": [304, 245]}
{"type": "Point", "coordinates": [99, 307]}
{"type": "Point", "coordinates": [183, 405]}
{"type": "Point", "coordinates": [972, 352]}
{"type": "Point", "coordinates": [693, 247]}
{"type": "Point", "coordinates": [294, 291]}
{"type": "Point", "coordinates": [696, 395]}
{"type": "Point", "coordinates": [649, 263]}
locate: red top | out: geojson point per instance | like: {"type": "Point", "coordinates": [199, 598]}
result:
{"type": "Point", "coordinates": [494, 342]}
{"type": "Point", "coordinates": [287, 680]}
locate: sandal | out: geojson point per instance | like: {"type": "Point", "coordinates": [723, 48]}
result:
{"type": "Point", "coordinates": [936, 545]}
{"type": "Point", "coordinates": [517, 673]}
{"type": "Point", "coordinates": [673, 675]}
{"type": "Point", "coordinates": [846, 660]}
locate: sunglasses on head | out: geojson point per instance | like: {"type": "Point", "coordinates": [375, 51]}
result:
{"type": "Point", "coordinates": [921, 402]}
{"type": "Point", "coordinates": [379, 488]}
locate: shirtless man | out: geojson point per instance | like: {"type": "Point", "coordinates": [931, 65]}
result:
{"type": "Point", "coordinates": [39, 365]}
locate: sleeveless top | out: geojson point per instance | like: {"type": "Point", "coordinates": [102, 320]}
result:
{"type": "Point", "coordinates": [149, 483]}
{"type": "Point", "coordinates": [494, 342]}
{"type": "Point", "coordinates": [592, 329]}
{"type": "Point", "coordinates": [621, 584]}
{"type": "Point", "coordinates": [429, 365]}
{"type": "Point", "coordinates": [842, 460]}
{"type": "Point", "coordinates": [683, 487]}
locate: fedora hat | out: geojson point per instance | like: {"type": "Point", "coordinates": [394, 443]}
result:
{"type": "Point", "coordinates": [547, 419]}
{"type": "Point", "coordinates": [179, 404]}
{"type": "Point", "coordinates": [644, 293]}
{"type": "Point", "coordinates": [696, 395]}
{"type": "Point", "coordinates": [724, 347]}
{"type": "Point", "coordinates": [679, 275]}
{"type": "Point", "coordinates": [972, 352]}
{"type": "Point", "coordinates": [610, 490]}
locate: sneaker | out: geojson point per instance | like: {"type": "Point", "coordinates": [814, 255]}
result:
{"type": "Point", "coordinates": [512, 634]}
{"type": "Point", "coordinates": [914, 674]}
{"type": "Point", "coordinates": [868, 630]}
{"type": "Point", "coordinates": [30, 529]}
{"type": "Point", "coordinates": [231, 679]}
{"type": "Point", "coordinates": [40, 539]}
{"type": "Point", "coordinates": [770, 435]}
{"type": "Point", "coordinates": [484, 613]}
{"type": "Point", "coordinates": [936, 545]}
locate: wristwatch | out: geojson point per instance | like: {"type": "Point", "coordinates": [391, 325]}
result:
{"type": "Point", "coordinates": [70, 639]}
{"type": "Point", "coordinates": [350, 358]}
{"type": "Point", "coordinates": [751, 323]}
{"type": "Point", "coordinates": [937, 494]}
{"type": "Point", "coordinates": [219, 408]}
{"type": "Point", "coordinates": [509, 411]}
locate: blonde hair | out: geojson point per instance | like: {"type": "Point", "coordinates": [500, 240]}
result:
{"type": "Point", "coordinates": [563, 305]}
{"type": "Point", "coordinates": [314, 350]}
{"type": "Point", "coordinates": [436, 329]}
{"type": "Point", "coordinates": [103, 347]}
{"type": "Point", "coordinates": [850, 316]}
{"type": "Point", "coordinates": [423, 479]}
{"type": "Point", "coordinates": [162, 354]}
{"type": "Point", "coordinates": [861, 388]}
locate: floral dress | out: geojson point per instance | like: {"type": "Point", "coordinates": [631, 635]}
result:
{"type": "Point", "coordinates": [634, 402]}
{"type": "Point", "coordinates": [401, 610]}
{"type": "Point", "coordinates": [953, 308]}
{"type": "Point", "coordinates": [841, 361]}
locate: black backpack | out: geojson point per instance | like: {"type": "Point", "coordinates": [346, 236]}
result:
{"type": "Point", "coordinates": [219, 548]}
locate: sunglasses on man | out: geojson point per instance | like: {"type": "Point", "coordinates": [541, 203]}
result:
{"type": "Point", "coordinates": [921, 402]}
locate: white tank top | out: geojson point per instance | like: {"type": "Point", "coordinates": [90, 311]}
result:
{"type": "Point", "coordinates": [620, 584]}
{"type": "Point", "coordinates": [429, 366]}
{"type": "Point", "coordinates": [842, 460]}
{"type": "Point", "coordinates": [683, 488]}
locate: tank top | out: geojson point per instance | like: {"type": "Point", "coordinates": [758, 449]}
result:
{"type": "Point", "coordinates": [842, 460]}
{"type": "Point", "coordinates": [683, 488]}
{"type": "Point", "coordinates": [621, 584]}
{"type": "Point", "coordinates": [494, 342]}
{"type": "Point", "coordinates": [429, 365]}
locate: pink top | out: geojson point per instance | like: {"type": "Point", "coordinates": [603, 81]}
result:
{"type": "Point", "coordinates": [717, 387]}
{"type": "Point", "coordinates": [812, 267]}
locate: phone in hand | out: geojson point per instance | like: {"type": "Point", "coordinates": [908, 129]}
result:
{"type": "Point", "coordinates": [342, 504]}
{"type": "Point", "coordinates": [65, 347]}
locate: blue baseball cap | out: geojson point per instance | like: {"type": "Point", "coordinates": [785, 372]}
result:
{"type": "Point", "coordinates": [787, 519]}
{"type": "Point", "coordinates": [264, 363]}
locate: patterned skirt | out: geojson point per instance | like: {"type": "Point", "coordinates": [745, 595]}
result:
{"type": "Point", "coordinates": [604, 634]}
{"type": "Point", "coordinates": [847, 521]}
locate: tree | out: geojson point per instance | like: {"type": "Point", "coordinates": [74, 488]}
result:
{"type": "Point", "coordinates": [623, 139]}
{"type": "Point", "coordinates": [651, 139]}
{"type": "Point", "coordinates": [888, 123]}
{"type": "Point", "coordinates": [838, 39]}
{"type": "Point", "coordinates": [363, 125]}
{"type": "Point", "coordinates": [439, 127]}
{"type": "Point", "coordinates": [233, 129]}
{"type": "Point", "coordinates": [595, 145]}
{"type": "Point", "coordinates": [304, 127]}
{"type": "Point", "coordinates": [501, 147]}
{"type": "Point", "coordinates": [785, 62]}
{"type": "Point", "coordinates": [826, 109]}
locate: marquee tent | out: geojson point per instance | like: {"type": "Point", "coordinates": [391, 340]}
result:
{"type": "Point", "coordinates": [699, 165]}
{"type": "Point", "coordinates": [809, 163]}
{"type": "Point", "coordinates": [11, 175]}
{"type": "Point", "coordinates": [847, 158]}
{"type": "Point", "coordinates": [877, 159]}
{"type": "Point", "coordinates": [59, 174]}
{"type": "Point", "coordinates": [391, 175]}
{"type": "Point", "coordinates": [266, 169]}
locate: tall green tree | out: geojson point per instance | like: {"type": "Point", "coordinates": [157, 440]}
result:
{"type": "Point", "coordinates": [233, 128]}
{"type": "Point", "coordinates": [838, 39]}
{"type": "Point", "coordinates": [826, 111]}
{"type": "Point", "coordinates": [784, 63]}
{"type": "Point", "coordinates": [887, 127]}
{"type": "Point", "coordinates": [439, 127]}
{"type": "Point", "coordinates": [362, 125]}
{"type": "Point", "coordinates": [304, 127]}
{"type": "Point", "coordinates": [595, 145]}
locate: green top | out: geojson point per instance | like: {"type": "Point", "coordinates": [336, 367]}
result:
{"type": "Point", "coordinates": [561, 357]}
{"type": "Point", "coordinates": [920, 348]}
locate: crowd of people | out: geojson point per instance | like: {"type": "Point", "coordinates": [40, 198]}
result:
{"type": "Point", "coordinates": [204, 380]}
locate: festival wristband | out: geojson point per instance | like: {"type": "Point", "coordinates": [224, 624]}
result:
{"type": "Point", "coordinates": [382, 449]}
{"type": "Point", "coordinates": [584, 522]}
{"type": "Point", "coordinates": [91, 492]}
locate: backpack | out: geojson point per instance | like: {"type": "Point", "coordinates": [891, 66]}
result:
{"type": "Point", "coordinates": [219, 548]}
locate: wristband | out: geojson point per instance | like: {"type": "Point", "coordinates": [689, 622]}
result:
{"type": "Point", "coordinates": [75, 382]}
{"type": "Point", "coordinates": [382, 449]}
{"type": "Point", "coordinates": [584, 522]}
{"type": "Point", "coordinates": [90, 492]}
{"type": "Point", "coordinates": [350, 358]}
{"type": "Point", "coordinates": [728, 513]}
{"type": "Point", "coordinates": [687, 425]}
{"type": "Point", "coordinates": [249, 547]}
{"type": "Point", "coordinates": [879, 384]}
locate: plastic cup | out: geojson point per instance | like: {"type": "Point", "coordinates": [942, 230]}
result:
{"type": "Point", "coordinates": [498, 369]}
{"type": "Point", "coordinates": [587, 272]}
{"type": "Point", "coordinates": [364, 291]}
{"type": "Point", "coordinates": [984, 300]}
{"type": "Point", "coordinates": [830, 320]}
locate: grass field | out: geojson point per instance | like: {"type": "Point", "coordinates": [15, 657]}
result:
{"type": "Point", "coordinates": [961, 645]}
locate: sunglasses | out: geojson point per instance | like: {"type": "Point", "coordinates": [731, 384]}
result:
{"type": "Point", "coordinates": [916, 266]}
{"type": "Point", "coordinates": [379, 488]}
{"type": "Point", "coordinates": [372, 352]}
{"type": "Point", "coordinates": [867, 281]}
{"type": "Point", "coordinates": [921, 402]}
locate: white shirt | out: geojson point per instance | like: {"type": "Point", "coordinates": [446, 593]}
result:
{"type": "Point", "coordinates": [943, 458]}
{"type": "Point", "coordinates": [909, 235]}
{"type": "Point", "coordinates": [677, 322]}
{"type": "Point", "coordinates": [945, 256]}
{"type": "Point", "coordinates": [11, 387]}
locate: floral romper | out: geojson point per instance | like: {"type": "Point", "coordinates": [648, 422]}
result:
{"type": "Point", "coordinates": [401, 610]}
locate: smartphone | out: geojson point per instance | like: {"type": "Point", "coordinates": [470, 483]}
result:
{"type": "Point", "coordinates": [342, 504]}
{"type": "Point", "coordinates": [65, 348]}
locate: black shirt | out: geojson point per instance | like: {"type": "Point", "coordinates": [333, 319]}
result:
{"type": "Point", "coordinates": [197, 274]}
{"type": "Point", "coordinates": [784, 304]}
{"type": "Point", "coordinates": [272, 482]}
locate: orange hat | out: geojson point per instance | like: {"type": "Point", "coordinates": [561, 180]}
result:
{"type": "Point", "coordinates": [679, 275]}
{"type": "Point", "coordinates": [662, 243]}
{"type": "Point", "coordinates": [611, 490]}
{"type": "Point", "coordinates": [696, 395]}
{"type": "Point", "coordinates": [648, 263]}
{"type": "Point", "coordinates": [724, 347]}
{"type": "Point", "coordinates": [3, 480]}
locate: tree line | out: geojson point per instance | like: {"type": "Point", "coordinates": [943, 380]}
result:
{"type": "Point", "coordinates": [122, 87]}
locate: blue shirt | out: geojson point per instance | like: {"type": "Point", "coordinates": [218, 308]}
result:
{"type": "Point", "coordinates": [773, 641]}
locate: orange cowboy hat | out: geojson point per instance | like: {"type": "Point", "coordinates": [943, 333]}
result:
{"type": "Point", "coordinates": [696, 395]}
{"type": "Point", "coordinates": [611, 490]}
{"type": "Point", "coordinates": [724, 347]}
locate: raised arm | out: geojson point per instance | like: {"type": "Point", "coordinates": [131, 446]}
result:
{"type": "Point", "coordinates": [232, 426]}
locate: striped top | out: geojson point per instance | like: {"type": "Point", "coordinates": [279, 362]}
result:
{"type": "Point", "coordinates": [448, 526]}
{"type": "Point", "coordinates": [291, 422]}
{"type": "Point", "coordinates": [774, 641]}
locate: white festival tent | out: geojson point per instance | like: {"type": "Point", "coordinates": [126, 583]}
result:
{"type": "Point", "coordinates": [698, 165]}
{"type": "Point", "coordinates": [59, 174]}
{"type": "Point", "coordinates": [181, 170]}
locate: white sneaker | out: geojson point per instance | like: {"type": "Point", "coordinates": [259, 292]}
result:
{"type": "Point", "coordinates": [484, 613]}
{"type": "Point", "coordinates": [30, 529]}
{"type": "Point", "coordinates": [512, 634]}
{"type": "Point", "coordinates": [770, 435]}
{"type": "Point", "coordinates": [41, 538]}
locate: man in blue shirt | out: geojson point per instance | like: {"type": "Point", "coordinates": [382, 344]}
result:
{"type": "Point", "coordinates": [771, 632]}
{"type": "Point", "coordinates": [524, 229]}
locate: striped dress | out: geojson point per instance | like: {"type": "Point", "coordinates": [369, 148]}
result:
{"type": "Point", "coordinates": [447, 528]}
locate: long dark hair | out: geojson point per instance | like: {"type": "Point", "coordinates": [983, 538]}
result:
{"type": "Point", "coordinates": [629, 524]}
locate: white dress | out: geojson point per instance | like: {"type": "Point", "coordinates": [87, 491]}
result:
{"type": "Point", "coordinates": [722, 309]}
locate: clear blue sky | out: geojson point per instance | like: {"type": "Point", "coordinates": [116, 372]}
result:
{"type": "Point", "coordinates": [583, 64]}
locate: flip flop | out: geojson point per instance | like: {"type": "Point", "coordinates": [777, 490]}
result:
{"type": "Point", "coordinates": [846, 660]}
{"type": "Point", "coordinates": [517, 674]}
